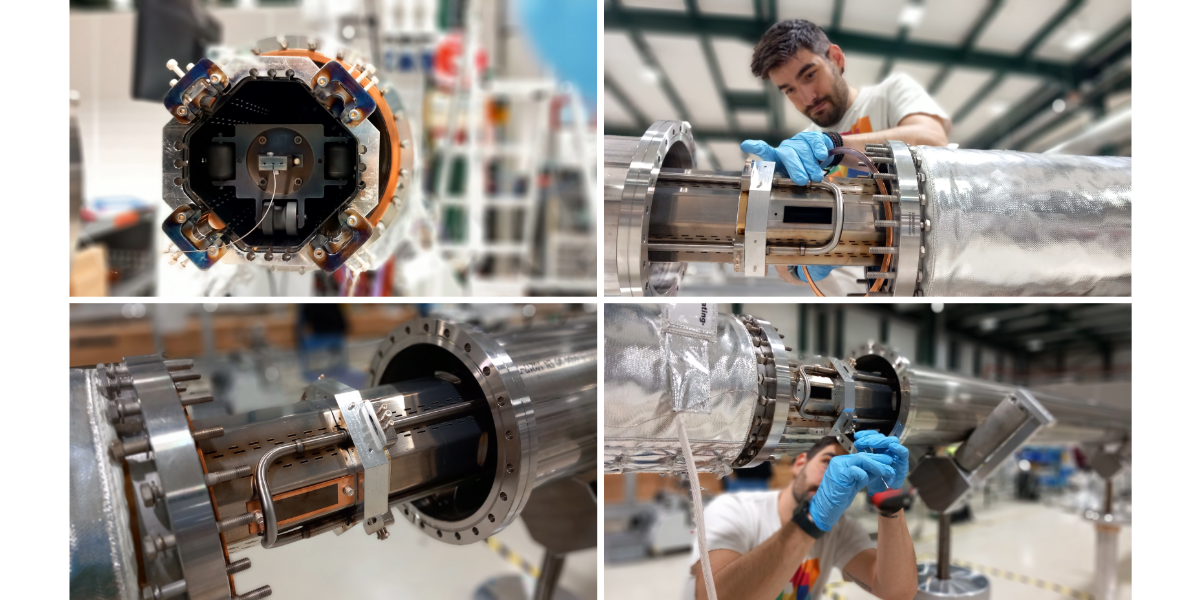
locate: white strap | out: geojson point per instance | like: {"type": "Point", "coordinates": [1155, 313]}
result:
{"type": "Point", "coordinates": [697, 508]}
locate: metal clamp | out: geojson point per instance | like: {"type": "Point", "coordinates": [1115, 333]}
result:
{"type": "Point", "coordinates": [843, 428]}
{"type": "Point", "coordinates": [370, 442]}
{"type": "Point", "coordinates": [757, 177]}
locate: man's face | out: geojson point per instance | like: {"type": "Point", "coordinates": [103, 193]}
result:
{"type": "Point", "coordinates": [807, 474]}
{"type": "Point", "coordinates": [815, 85]}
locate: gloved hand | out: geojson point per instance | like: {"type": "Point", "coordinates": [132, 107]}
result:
{"type": "Point", "coordinates": [843, 478]}
{"type": "Point", "coordinates": [874, 443]}
{"type": "Point", "coordinates": [804, 155]}
{"type": "Point", "coordinates": [818, 272]}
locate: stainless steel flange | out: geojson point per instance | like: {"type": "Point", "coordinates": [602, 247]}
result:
{"type": "Point", "coordinates": [627, 208]}
{"type": "Point", "coordinates": [528, 451]}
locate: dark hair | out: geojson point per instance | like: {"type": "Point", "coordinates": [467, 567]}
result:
{"type": "Point", "coordinates": [783, 40]}
{"type": "Point", "coordinates": [820, 445]}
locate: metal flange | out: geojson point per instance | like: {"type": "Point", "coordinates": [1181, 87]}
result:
{"type": "Point", "coordinates": [662, 140]}
{"type": "Point", "coordinates": [774, 393]}
{"type": "Point", "coordinates": [515, 436]}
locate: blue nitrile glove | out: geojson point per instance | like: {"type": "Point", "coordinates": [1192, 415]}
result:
{"type": "Point", "coordinates": [843, 478]}
{"type": "Point", "coordinates": [818, 272]}
{"type": "Point", "coordinates": [874, 442]}
{"type": "Point", "coordinates": [803, 155]}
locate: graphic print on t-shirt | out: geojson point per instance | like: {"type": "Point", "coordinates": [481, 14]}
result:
{"type": "Point", "coordinates": [862, 126]}
{"type": "Point", "coordinates": [800, 587]}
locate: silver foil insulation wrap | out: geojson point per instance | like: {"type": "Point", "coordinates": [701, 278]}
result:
{"type": "Point", "coordinates": [1018, 224]}
{"type": "Point", "coordinates": [646, 389]}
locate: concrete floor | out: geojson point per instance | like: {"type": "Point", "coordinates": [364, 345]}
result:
{"type": "Point", "coordinates": [1037, 541]}
{"type": "Point", "coordinates": [408, 564]}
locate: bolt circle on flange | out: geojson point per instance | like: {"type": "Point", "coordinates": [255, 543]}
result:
{"type": "Point", "coordinates": [510, 409]}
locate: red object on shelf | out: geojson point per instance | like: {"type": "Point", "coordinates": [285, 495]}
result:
{"type": "Point", "coordinates": [446, 56]}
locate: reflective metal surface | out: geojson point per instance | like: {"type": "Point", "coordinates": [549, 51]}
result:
{"type": "Point", "coordinates": [1016, 224]}
{"type": "Point", "coordinates": [963, 583]}
{"type": "Point", "coordinates": [103, 560]}
{"type": "Point", "coordinates": [189, 512]}
{"type": "Point", "coordinates": [639, 415]}
{"type": "Point", "coordinates": [666, 144]}
{"type": "Point", "coordinates": [539, 387]}
{"type": "Point", "coordinates": [924, 407]}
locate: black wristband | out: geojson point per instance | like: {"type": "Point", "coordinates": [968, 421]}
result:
{"type": "Point", "coordinates": [801, 517]}
{"type": "Point", "coordinates": [837, 143]}
{"type": "Point", "coordinates": [890, 513]}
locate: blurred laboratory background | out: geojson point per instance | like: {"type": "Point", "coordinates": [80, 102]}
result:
{"type": "Point", "coordinates": [262, 357]}
{"type": "Point", "coordinates": [1040, 76]}
{"type": "Point", "coordinates": [511, 214]}
{"type": "Point", "coordinates": [1032, 530]}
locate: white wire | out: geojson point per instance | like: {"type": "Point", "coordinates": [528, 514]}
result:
{"type": "Point", "coordinates": [274, 186]}
{"type": "Point", "coordinates": [697, 508]}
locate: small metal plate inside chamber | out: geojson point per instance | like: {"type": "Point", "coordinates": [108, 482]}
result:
{"type": "Point", "coordinates": [270, 138]}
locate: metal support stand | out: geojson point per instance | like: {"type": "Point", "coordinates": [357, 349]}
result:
{"type": "Point", "coordinates": [1108, 546]}
{"type": "Point", "coordinates": [943, 580]}
{"type": "Point", "coordinates": [552, 566]}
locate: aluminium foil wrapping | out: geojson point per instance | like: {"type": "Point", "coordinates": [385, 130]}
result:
{"type": "Point", "coordinates": [103, 563]}
{"type": "Point", "coordinates": [1018, 224]}
{"type": "Point", "coordinates": [640, 401]}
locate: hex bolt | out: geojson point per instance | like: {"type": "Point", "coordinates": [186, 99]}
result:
{"type": "Point", "coordinates": [352, 221]}
{"type": "Point", "coordinates": [257, 594]}
{"type": "Point", "coordinates": [153, 545]}
{"type": "Point", "coordinates": [154, 592]}
{"type": "Point", "coordinates": [886, 223]}
{"type": "Point", "coordinates": [348, 490]}
{"type": "Point", "coordinates": [262, 139]}
{"type": "Point", "coordinates": [237, 566]}
{"type": "Point", "coordinates": [881, 250]}
{"type": "Point", "coordinates": [880, 275]}
{"type": "Point", "coordinates": [883, 176]}
{"type": "Point", "coordinates": [927, 225]}
{"type": "Point", "coordinates": [120, 450]}
{"type": "Point", "coordinates": [207, 434]}
{"type": "Point", "coordinates": [322, 80]}
{"type": "Point", "coordinates": [216, 78]}
{"type": "Point", "coordinates": [298, 140]}
{"type": "Point", "coordinates": [181, 218]}
{"type": "Point", "coordinates": [191, 66]}
{"type": "Point", "coordinates": [319, 254]}
{"type": "Point", "coordinates": [118, 410]}
{"type": "Point", "coordinates": [151, 493]}
{"type": "Point", "coordinates": [885, 198]}
{"type": "Point", "coordinates": [211, 479]}
{"type": "Point", "coordinates": [188, 376]}
{"type": "Point", "coordinates": [382, 534]}
{"type": "Point", "coordinates": [922, 250]}
{"type": "Point", "coordinates": [241, 520]}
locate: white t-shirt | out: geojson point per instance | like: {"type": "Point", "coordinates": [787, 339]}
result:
{"type": "Point", "coordinates": [743, 520]}
{"type": "Point", "coordinates": [877, 107]}
{"type": "Point", "coordinates": [884, 105]}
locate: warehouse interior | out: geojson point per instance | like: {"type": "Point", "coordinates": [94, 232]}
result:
{"type": "Point", "coordinates": [512, 215]}
{"type": "Point", "coordinates": [1030, 530]}
{"type": "Point", "coordinates": [1050, 78]}
{"type": "Point", "coordinates": [259, 359]}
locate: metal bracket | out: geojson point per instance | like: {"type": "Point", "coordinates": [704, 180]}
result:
{"type": "Point", "coordinates": [943, 483]}
{"type": "Point", "coordinates": [757, 177]}
{"type": "Point", "coordinates": [370, 441]}
{"type": "Point", "coordinates": [843, 428]}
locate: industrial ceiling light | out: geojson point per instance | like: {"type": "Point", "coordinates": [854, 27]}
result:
{"type": "Point", "coordinates": [912, 14]}
{"type": "Point", "coordinates": [1078, 40]}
